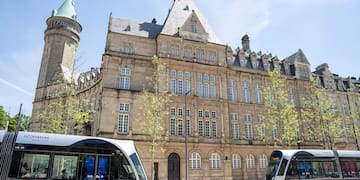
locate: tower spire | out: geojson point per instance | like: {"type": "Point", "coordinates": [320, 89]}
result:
{"type": "Point", "coordinates": [67, 9]}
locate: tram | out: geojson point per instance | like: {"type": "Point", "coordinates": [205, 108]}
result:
{"type": "Point", "coordinates": [313, 164]}
{"type": "Point", "coordinates": [56, 156]}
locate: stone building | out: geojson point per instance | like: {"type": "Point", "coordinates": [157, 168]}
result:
{"type": "Point", "coordinates": [223, 102]}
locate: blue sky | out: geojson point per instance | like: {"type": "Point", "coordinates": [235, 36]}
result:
{"type": "Point", "coordinates": [326, 30]}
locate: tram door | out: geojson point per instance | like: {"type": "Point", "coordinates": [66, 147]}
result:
{"type": "Point", "coordinates": [95, 167]}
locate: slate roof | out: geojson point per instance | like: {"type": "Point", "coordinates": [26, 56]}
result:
{"type": "Point", "coordinates": [299, 56]}
{"type": "Point", "coordinates": [179, 13]}
{"type": "Point", "coordinates": [133, 27]}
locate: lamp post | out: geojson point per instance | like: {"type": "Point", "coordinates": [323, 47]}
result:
{"type": "Point", "coordinates": [186, 137]}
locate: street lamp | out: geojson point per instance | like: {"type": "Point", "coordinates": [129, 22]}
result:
{"type": "Point", "coordinates": [186, 137]}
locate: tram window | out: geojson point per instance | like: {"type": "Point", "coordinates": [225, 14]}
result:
{"type": "Point", "coordinates": [138, 166]}
{"type": "Point", "coordinates": [34, 166]}
{"type": "Point", "coordinates": [315, 169]}
{"type": "Point", "coordinates": [64, 167]}
{"type": "Point", "coordinates": [282, 167]}
{"type": "Point", "coordinates": [121, 168]}
{"type": "Point", "coordinates": [350, 167]}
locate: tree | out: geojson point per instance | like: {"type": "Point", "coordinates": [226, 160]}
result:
{"type": "Point", "coordinates": [354, 116]}
{"type": "Point", "coordinates": [66, 110]}
{"type": "Point", "coordinates": [5, 117]}
{"type": "Point", "coordinates": [281, 124]}
{"type": "Point", "coordinates": [154, 110]}
{"type": "Point", "coordinates": [321, 119]}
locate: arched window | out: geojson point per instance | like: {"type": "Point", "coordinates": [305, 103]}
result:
{"type": "Point", "coordinates": [215, 161]}
{"type": "Point", "coordinates": [195, 161]}
{"type": "Point", "coordinates": [250, 161]}
{"type": "Point", "coordinates": [263, 161]}
{"type": "Point", "coordinates": [236, 161]}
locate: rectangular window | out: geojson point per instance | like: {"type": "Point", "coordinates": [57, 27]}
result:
{"type": "Point", "coordinates": [235, 131]}
{"type": "Point", "coordinates": [248, 131]}
{"type": "Point", "coordinates": [199, 77]}
{"type": "Point", "coordinates": [188, 52]}
{"type": "Point", "coordinates": [234, 117]}
{"type": "Point", "coordinates": [174, 50]}
{"type": "Point", "coordinates": [246, 92]}
{"type": "Point", "coordinates": [247, 118]}
{"type": "Point", "coordinates": [187, 75]}
{"type": "Point", "coordinates": [212, 78]}
{"type": "Point", "coordinates": [125, 71]}
{"type": "Point", "coordinates": [187, 87]}
{"type": "Point", "coordinates": [124, 107]}
{"type": "Point", "coordinates": [127, 48]}
{"type": "Point", "coordinates": [173, 86]}
{"type": "Point", "coordinates": [123, 123]}
{"type": "Point", "coordinates": [180, 127]}
{"type": "Point", "coordinates": [274, 134]}
{"type": "Point", "coordinates": [173, 73]}
{"type": "Point", "coordinates": [261, 131]}
{"type": "Point", "coordinates": [260, 119]}
{"type": "Point", "coordinates": [172, 112]}
{"type": "Point", "coordinates": [292, 96]}
{"type": "Point", "coordinates": [180, 112]}
{"type": "Point", "coordinates": [172, 127]}
{"type": "Point", "coordinates": [206, 77]}
{"type": "Point", "coordinates": [259, 98]}
{"type": "Point", "coordinates": [212, 91]}
{"type": "Point", "coordinates": [207, 114]}
{"type": "Point", "coordinates": [207, 128]}
{"type": "Point", "coordinates": [200, 114]}
{"type": "Point", "coordinates": [188, 127]}
{"type": "Point", "coordinates": [214, 129]}
{"type": "Point", "coordinates": [212, 56]}
{"type": "Point", "coordinates": [232, 94]}
{"type": "Point", "coordinates": [206, 90]}
{"type": "Point", "coordinates": [180, 74]}
{"type": "Point", "coordinates": [213, 114]}
{"type": "Point", "coordinates": [180, 87]}
{"type": "Point", "coordinates": [124, 82]}
{"type": "Point", "coordinates": [200, 53]}
{"type": "Point", "coordinates": [200, 128]}
{"type": "Point", "coordinates": [200, 89]}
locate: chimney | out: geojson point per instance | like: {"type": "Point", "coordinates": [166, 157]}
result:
{"type": "Point", "coordinates": [245, 42]}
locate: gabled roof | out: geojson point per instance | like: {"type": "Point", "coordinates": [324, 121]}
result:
{"type": "Point", "coordinates": [67, 9]}
{"type": "Point", "coordinates": [299, 56]}
{"type": "Point", "coordinates": [132, 27]}
{"type": "Point", "coordinates": [179, 13]}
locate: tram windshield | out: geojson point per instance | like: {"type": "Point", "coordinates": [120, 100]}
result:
{"type": "Point", "coordinates": [273, 165]}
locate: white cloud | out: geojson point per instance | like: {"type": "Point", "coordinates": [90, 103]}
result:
{"type": "Point", "coordinates": [18, 79]}
{"type": "Point", "coordinates": [14, 86]}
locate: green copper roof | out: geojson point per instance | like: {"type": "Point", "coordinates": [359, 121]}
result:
{"type": "Point", "coordinates": [67, 9]}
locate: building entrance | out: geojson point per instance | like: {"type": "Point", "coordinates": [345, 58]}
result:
{"type": "Point", "coordinates": [174, 166]}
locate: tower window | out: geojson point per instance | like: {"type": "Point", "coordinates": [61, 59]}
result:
{"type": "Point", "coordinates": [193, 28]}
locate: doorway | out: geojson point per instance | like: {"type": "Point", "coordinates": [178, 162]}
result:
{"type": "Point", "coordinates": [174, 166]}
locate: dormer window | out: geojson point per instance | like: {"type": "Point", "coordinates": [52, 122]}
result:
{"type": "Point", "coordinates": [186, 8]}
{"type": "Point", "coordinates": [193, 28]}
{"type": "Point", "coordinates": [128, 28]}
